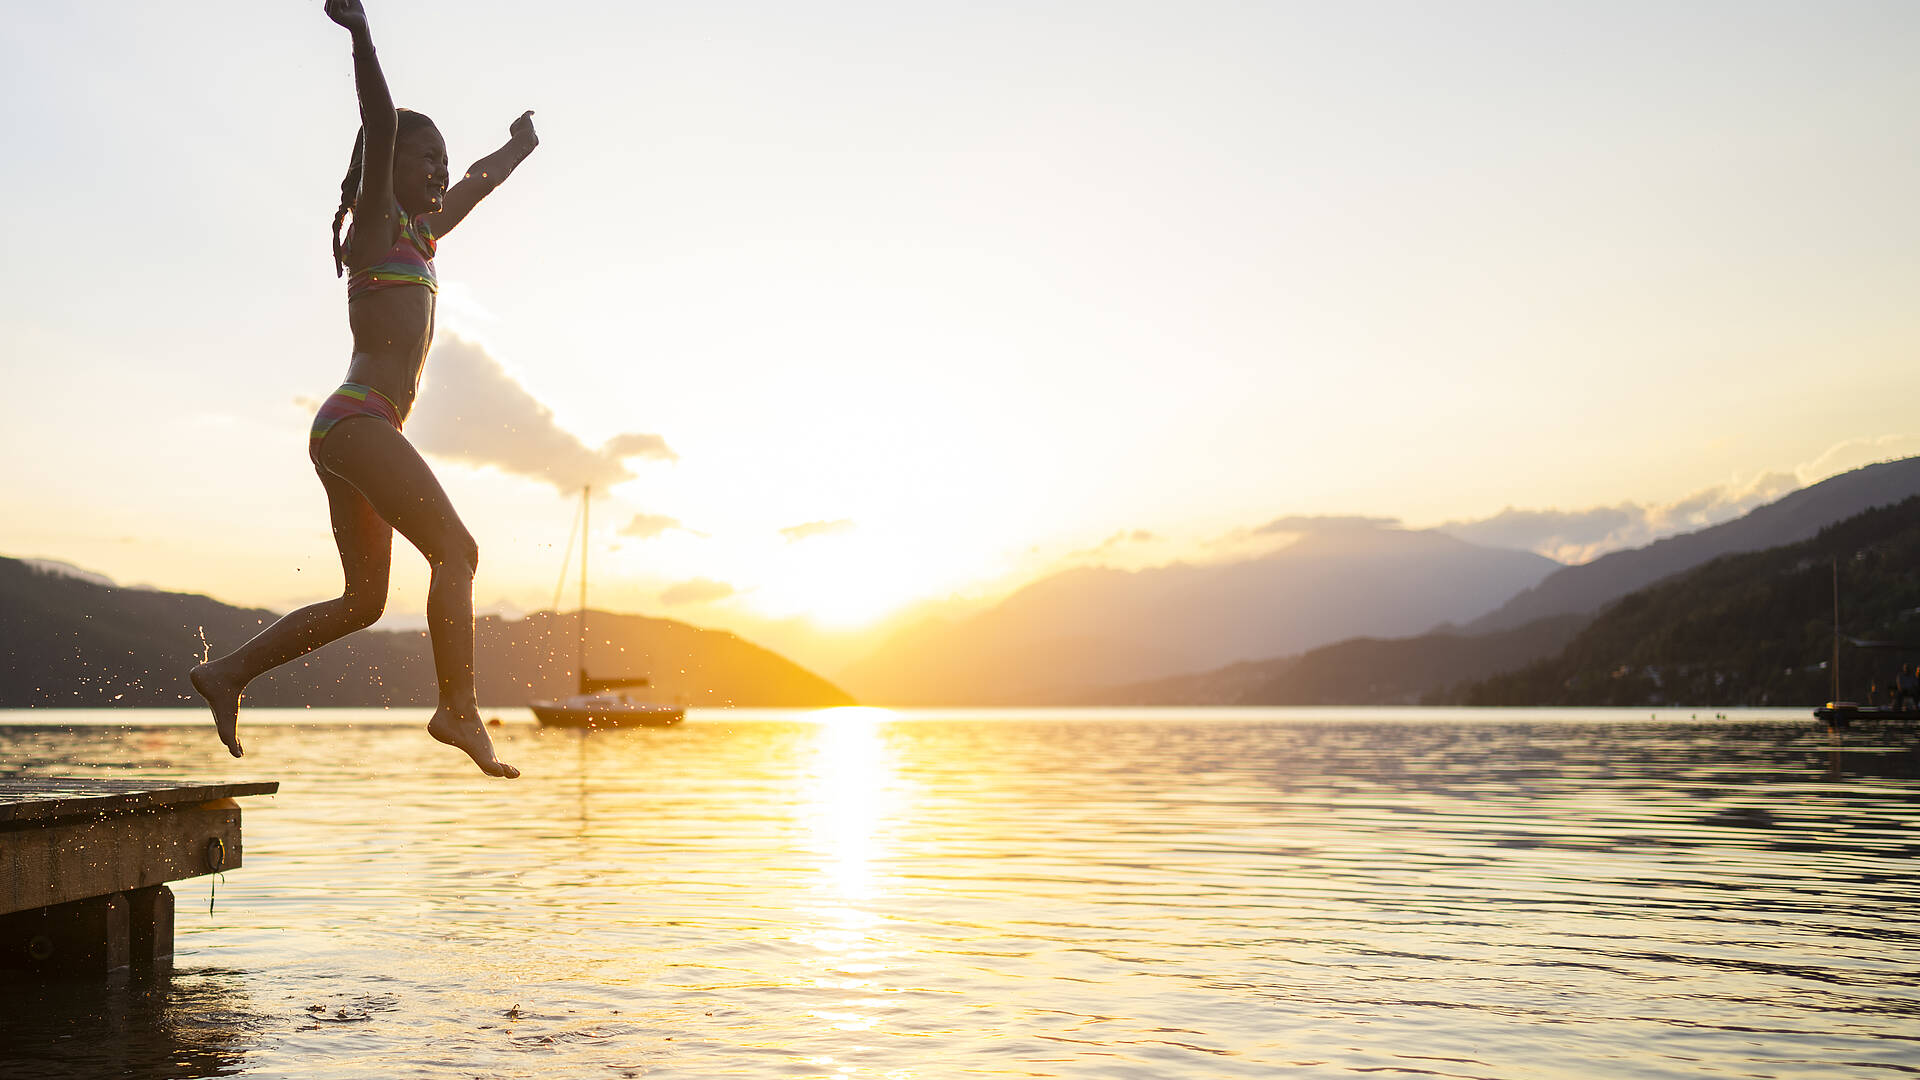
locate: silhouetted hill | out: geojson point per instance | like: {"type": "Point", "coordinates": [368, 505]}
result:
{"type": "Point", "coordinates": [1750, 629]}
{"type": "Point", "coordinates": [1358, 671]}
{"type": "Point", "coordinates": [69, 641]}
{"type": "Point", "coordinates": [1088, 628]}
{"type": "Point", "coordinates": [1585, 589]}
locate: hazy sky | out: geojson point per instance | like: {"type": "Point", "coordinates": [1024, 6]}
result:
{"type": "Point", "coordinates": [923, 299]}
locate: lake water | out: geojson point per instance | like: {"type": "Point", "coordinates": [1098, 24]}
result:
{"type": "Point", "coordinates": [1156, 893]}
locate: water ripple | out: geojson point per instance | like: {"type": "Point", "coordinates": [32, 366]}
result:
{"type": "Point", "coordinates": [863, 894]}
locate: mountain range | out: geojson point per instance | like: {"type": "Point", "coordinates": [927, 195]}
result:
{"type": "Point", "coordinates": [1351, 611]}
{"type": "Point", "coordinates": [66, 640]}
{"type": "Point", "coordinates": [1335, 619]}
{"type": "Point", "coordinates": [1088, 628]}
{"type": "Point", "coordinates": [1357, 671]}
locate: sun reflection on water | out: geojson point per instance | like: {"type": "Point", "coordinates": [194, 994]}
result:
{"type": "Point", "coordinates": [852, 797]}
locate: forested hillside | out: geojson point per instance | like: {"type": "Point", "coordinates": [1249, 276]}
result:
{"type": "Point", "coordinates": [1754, 629]}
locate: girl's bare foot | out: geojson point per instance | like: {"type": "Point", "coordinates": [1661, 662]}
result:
{"type": "Point", "coordinates": [462, 728]}
{"type": "Point", "coordinates": [222, 692]}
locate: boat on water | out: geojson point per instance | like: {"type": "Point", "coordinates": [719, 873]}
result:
{"type": "Point", "coordinates": [603, 703]}
{"type": "Point", "coordinates": [1840, 714]}
{"type": "Point", "coordinates": [592, 708]}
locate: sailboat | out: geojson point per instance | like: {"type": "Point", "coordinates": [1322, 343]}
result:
{"type": "Point", "coordinates": [602, 702]}
{"type": "Point", "coordinates": [1839, 714]}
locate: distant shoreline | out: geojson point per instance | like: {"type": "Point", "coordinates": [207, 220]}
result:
{"type": "Point", "coordinates": [158, 716]}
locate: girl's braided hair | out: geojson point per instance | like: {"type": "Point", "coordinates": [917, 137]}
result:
{"type": "Point", "coordinates": [406, 121]}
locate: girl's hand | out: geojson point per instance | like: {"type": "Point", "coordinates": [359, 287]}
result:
{"type": "Point", "coordinates": [521, 131]}
{"type": "Point", "coordinates": [348, 13]}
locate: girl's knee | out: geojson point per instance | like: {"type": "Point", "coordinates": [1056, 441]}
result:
{"type": "Point", "coordinates": [459, 557]}
{"type": "Point", "coordinates": [455, 551]}
{"type": "Point", "coordinates": [363, 609]}
{"type": "Point", "coordinates": [467, 550]}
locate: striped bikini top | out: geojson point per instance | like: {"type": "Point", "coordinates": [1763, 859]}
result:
{"type": "Point", "coordinates": [408, 262]}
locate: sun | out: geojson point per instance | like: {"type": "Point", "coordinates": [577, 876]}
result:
{"type": "Point", "coordinates": [839, 602]}
{"type": "Point", "coordinates": [841, 583]}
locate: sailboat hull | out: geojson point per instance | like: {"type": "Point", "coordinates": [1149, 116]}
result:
{"type": "Point", "coordinates": [1842, 713]}
{"type": "Point", "coordinates": [600, 714]}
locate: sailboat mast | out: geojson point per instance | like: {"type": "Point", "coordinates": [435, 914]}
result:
{"type": "Point", "coordinates": [1836, 630]}
{"type": "Point", "coordinates": [586, 507]}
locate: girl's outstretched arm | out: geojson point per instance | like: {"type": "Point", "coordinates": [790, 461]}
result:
{"type": "Point", "coordinates": [373, 219]}
{"type": "Point", "coordinates": [485, 175]}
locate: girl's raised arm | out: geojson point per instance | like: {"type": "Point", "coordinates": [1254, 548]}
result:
{"type": "Point", "coordinates": [485, 175]}
{"type": "Point", "coordinates": [373, 218]}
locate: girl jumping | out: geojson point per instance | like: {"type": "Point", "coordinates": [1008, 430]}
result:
{"type": "Point", "coordinates": [376, 482]}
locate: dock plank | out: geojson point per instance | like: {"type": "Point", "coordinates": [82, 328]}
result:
{"type": "Point", "coordinates": [72, 860]}
{"type": "Point", "coordinates": [41, 800]}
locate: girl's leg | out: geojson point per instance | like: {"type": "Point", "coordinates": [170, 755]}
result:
{"type": "Point", "coordinates": [389, 472]}
{"type": "Point", "coordinates": [366, 552]}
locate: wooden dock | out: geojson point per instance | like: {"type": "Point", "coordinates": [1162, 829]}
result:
{"type": "Point", "coordinates": [84, 866]}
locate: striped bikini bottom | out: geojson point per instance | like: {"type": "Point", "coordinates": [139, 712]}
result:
{"type": "Point", "coordinates": [352, 399]}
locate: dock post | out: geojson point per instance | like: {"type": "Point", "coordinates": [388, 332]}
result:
{"type": "Point", "coordinates": [150, 924]}
{"type": "Point", "coordinates": [82, 937]}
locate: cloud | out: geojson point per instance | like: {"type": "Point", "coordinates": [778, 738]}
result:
{"type": "Point", "coordinates": [1247, 542]}
{"type": "Point", "coordinates": [1313, 523]}
{"type": "Point", "coordinates": [1856, 453]}
{"type": "Point", "coordinates": [471, 410]}
{"type": "Point", "coordinates": [795, 533]}
{"type": "Point", "coordinates": [648, 526]}
{"type": "Point", "coordinates": [1578, 536]}
{"type": "Point", "coordinates": [696, 591]}
{"type": "Point", "coordinates": [1550, 531]}
{"type": "Point", "coordinates": [1112, 543]}
{"type": "Point", "coordinates": [633, 445]}
{"type": "Point", "coordinates": [56, 568]}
